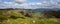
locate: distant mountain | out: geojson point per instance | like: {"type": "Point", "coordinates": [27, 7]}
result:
{"type": "Point", "coordinates": [45, 9]}
{"type": "Point", "coordinates": [35, 10]}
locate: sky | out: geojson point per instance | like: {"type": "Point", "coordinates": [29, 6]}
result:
{"type": "Point", "coordinates": [29, 4]}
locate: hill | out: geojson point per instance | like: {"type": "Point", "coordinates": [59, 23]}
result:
{"type": "Point", "coordinates": [25, 16]}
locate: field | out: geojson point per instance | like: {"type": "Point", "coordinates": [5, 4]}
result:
{"type": "Point", "coordinates": [15, 17]}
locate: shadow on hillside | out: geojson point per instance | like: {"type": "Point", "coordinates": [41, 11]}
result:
{"type": "Point", "coordinates": [51, 14]}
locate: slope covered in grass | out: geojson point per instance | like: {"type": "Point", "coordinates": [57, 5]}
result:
{"type": "Point", "coordinates": [15, 17]}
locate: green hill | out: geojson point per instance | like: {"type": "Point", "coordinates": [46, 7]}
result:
{"type": "Point", "coordinates": [18, 16]}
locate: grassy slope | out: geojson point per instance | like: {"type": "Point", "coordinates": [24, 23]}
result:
{"type": "Point", "coordinates": [28, 20]}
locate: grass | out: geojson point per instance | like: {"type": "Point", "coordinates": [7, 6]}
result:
{"type": "Point", "coordinates": [33, 21]}
{"type": "Point", "coordinates": [49, 21]}
{"type": "Point", "coordinates": [27, 20]}
{"type": "Point", "coordinates": [20, 21]}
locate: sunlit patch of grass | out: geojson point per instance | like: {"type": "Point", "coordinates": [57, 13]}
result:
{"type": "Point", "coordinates": [33, 21]}
{"type": "Point", "coordinates": [20, 21]}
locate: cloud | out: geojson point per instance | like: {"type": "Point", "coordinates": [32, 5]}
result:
{"type": "Point", "coordinates": [25, 5]}
{"type": "Point", "coordinates": [12, 5]}
{"type": "Point", "coordinates": [8, 3]}
{"type": "Point", "coordinates": [20, 1]}
{"type": "Point", "coordinates": [22, 4]}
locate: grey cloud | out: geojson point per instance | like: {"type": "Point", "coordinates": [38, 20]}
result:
{"type": "Point", "coordinates": [20, 1]}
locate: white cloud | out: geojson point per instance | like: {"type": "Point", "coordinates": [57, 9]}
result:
{"type": "Point", "coordinates": [16, 4]}
{"type": "Point", "coordinates": [25, 5]}
{"type": "Point", "coordinates": [8, 3]}
{"type": "Point", "coordinates": [12, 5]}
